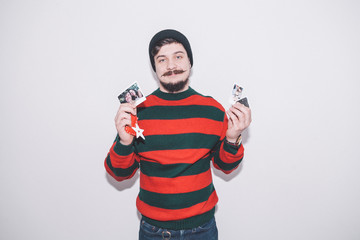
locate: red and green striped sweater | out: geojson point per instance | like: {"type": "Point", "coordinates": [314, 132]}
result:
{"type": "Point", "coordinates": [183, 132]}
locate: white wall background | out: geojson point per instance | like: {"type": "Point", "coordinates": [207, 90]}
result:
{"type": "Point", "coordinates": [63, 63]}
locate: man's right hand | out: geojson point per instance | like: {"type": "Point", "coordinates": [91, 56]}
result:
{"type": "Point", "coordinates": [123, 118]}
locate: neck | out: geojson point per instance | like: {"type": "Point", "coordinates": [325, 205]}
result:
{"type": "Point", "coordinates": [175, 96]}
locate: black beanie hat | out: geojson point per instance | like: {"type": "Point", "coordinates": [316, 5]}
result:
{"type": "Point", "coordinates": [169, 33]}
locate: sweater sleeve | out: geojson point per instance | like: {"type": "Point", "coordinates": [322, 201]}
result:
{"type": "Point", "coordinates": [121, 162]}
{"type": "Point", "coordinates": [226, 157]}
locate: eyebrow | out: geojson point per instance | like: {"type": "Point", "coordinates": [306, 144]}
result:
{"type": "Point", "coordinates": [173, 54]}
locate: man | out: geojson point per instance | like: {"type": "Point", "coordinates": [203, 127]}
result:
{"type": "Point", "coordinates": [184, 131]}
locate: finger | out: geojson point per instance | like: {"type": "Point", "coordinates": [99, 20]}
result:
{"type": "Point", "coordinates": [229, 117]}
{"type": "Point", "coordinates": [132, 104]}
{"type": "Point", "coordinates": [124, 123]}
{"type": "Point", "coordinates": [120, 115]}
{"type": "Point", "coordinates": [123, 117]}
{"type": "Point", "coordinates": [125, 108]}
{"type": "Point", "coordinates": [232, 118]}
{"type": "Point", "coordinates": [232, 111]}
{"type": "Point", "coordinates": [240, 121]}
{"type": "Point", "coordinates": [238, 113]}
{"type": "Point", "coordinates": [129, 108]}
{"type": "Point", "coordinates": [247, 116]}
{"type": "Point", "coordinates": [245, 112]}
{"type": "Point", "coordinates": [240, 106]}
{"type": "Point", "coordinates": [120, 126]}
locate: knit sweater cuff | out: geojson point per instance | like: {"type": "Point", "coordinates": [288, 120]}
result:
{"type": "Point", "coordinates": [230, 148]}
{"type": "Point", "coordinates": [121, 149]}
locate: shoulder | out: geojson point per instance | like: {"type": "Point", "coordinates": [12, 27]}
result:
{"type": "Point", "coordinates": [207, 100]}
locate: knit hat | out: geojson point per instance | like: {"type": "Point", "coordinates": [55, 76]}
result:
{"type": "Point", "coordinates": [169, 33]}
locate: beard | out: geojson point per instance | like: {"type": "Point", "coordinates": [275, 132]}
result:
{"type": "Point", "coordinates": [175, 87]}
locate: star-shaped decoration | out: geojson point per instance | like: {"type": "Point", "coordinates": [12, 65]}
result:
{"type": "Point", "coordinates": [138, 131]}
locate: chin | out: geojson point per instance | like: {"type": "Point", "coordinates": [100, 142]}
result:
{"type": "Point", "coordinates": [175, 86]}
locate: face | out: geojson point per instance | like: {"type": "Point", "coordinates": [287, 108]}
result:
{"type": "Point", "coordinates": [132, 92]}
{"type": "Point", "coordinates": [172, 68]}
{"type": "Point", "coordinates": [140, 95]}
{"type": "Point", "coordinates": [128, 97]}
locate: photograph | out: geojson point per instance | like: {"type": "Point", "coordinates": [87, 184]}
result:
{"type": "Point", "coordinates": [236, 93]}
{"type": "Point", "coordinates": [132, 94]}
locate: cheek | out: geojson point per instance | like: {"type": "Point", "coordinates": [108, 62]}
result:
{"type": "Point", "coordinates": [186, 65]}
{"type": "Point", "coordinates": [159, 73]}
{"type": "Point", "coordinates": [159, 69]}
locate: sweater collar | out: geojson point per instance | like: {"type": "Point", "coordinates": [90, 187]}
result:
{"type": "Point", "coordinates": [174, 96]}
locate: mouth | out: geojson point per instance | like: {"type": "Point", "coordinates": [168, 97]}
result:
{"type": "Point", "coordinates": [175, 72]}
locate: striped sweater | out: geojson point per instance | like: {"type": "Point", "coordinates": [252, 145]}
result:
{"type": "Point", "coordinates": [183, 133]}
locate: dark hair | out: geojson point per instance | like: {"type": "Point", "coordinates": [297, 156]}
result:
{"type": "Point", "coordinates": [161, 43]}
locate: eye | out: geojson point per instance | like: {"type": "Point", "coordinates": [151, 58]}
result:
{"type": "Point", "coordinates": [161, 60]}
{"type": "Point", "coordinates": [179, 57]}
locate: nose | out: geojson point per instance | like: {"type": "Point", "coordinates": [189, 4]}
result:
{"type": "Point", "coordinates": [171, 64]}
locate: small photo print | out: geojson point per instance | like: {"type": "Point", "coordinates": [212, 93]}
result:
{"type": "Point", "coordinates": [132, 94]}
{"type": "Point", "coordinates": [236, 93]}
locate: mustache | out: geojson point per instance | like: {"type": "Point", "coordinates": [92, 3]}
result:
{"type": "Point", "coordinates": [173, 72]}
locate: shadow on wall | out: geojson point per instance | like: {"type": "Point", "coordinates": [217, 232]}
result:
{"type": "Point", "coordinates": [120, 186]}
{"type": "Point", "coordinates": [227, 177]}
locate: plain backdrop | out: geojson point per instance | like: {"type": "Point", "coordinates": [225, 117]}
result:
{"type": "Point", "coordinates": [63, 64]}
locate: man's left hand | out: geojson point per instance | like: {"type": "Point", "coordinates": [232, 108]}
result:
{"type": "Point", "coordinates": [239, 120]}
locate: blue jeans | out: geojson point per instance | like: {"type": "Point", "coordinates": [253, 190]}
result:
{"type": "Point", "coordinates": [207, 231]}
